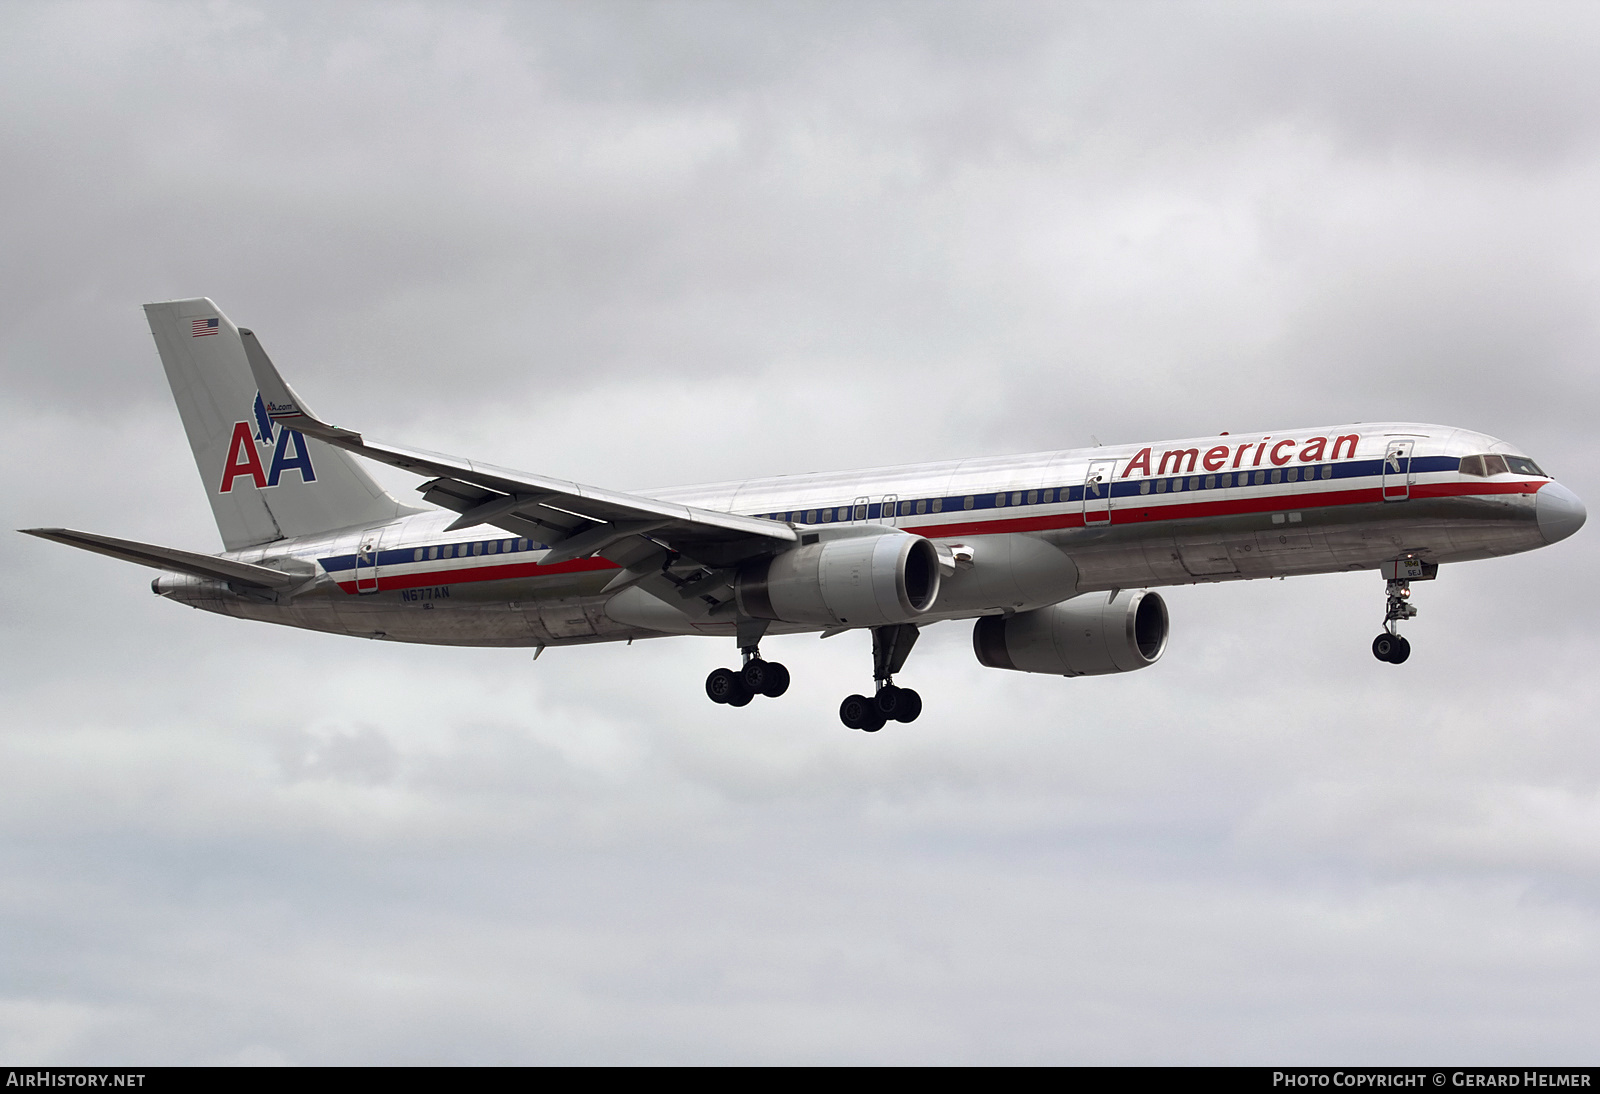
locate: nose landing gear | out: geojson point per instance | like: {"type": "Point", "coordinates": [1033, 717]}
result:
{"type": "Point", "coordinates": [1390, 646]}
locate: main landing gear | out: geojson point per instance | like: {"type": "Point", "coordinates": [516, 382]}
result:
{"type": "Point", "coordinates": [736, 687]}
{"type": "Point", "coordinates": [890, 648]}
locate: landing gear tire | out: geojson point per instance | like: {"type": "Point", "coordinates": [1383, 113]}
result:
{"type": "Point", "coordinates": [857, 712]}
{"type": "Point", "coordinates": [908, 706]}
{"type": "Point", "coordinates": [741, 695]}
{"type": "Point", "coordinates": [777, 681]}
{"type": "Point", "coordinates": [1391, 648]}
{"type": "Point", "coordinates": [723, 684]}
{"type": "Point", "coordinates": [767, 678]}
{"type": "Point", "coordinates": [900, 704]}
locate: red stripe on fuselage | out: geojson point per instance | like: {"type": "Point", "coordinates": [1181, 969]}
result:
{"type": "Point", "coordinates": [1139, 510]}
{"type": "Point", "coordinates": [465, 575]}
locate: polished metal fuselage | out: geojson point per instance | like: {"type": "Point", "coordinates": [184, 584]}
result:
{"type": "Point", "coordinates": [1127, 516]}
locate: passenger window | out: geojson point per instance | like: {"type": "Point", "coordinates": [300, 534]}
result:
{"type": "Point", "coordinates": [1177, 485]}
{"type": "Point", "coordinates": [494, 546]}
{"type": "Point", "coordinates": [433, 552]}
{"type": "Point", "coordinates": [1227, 480]}
{"type": "Point", "coordinates": [811, 516]}
{"type": "Point", "coordinates": [1261, 477]}
{"type": "Point", "coordinates": [522, 545]}
{"type": "Point", "coordinates": [1495, 465]}
{"type": "Point", "coordinates": [999, 500]}
{"type": "Point", "coordinates": [1161, 486]}
{"type": "Point", "coordinates": [1016, 499]}
{"type": "Point", "coordinates": [938, 505]}
{"type": "Point", "coordinates": [1294, 474]}
{"type": "Point", "coordinates": [1194, 483]}
{"type": "Point", "coordinates": [1277, 476]}
{"type": "Point", "coordinates": [1144, 487]}
{"type": "Point", "coordinates": [967, 502]}
{"type": "Point", "coordinates": [1049, 496]}
{"type": "Point", "coordinates": [1327, 470]}
{"type": "Point", "coordinates": [417, 557]}
{"type": "Point", "coordinates": [1033, 497]}
{"type": "Point", "coordinates": [827, 516]}
{"type": "Point", "coordinates": [905, 509]}
{"type": "Point", "coordinates": [922, 507]}
{"type": "Point", "coordinates": [1211, 482]}
{"type": "Point", "coordinates": [448, 549]}
{"type": "Point", "coordinates": [477, 548]}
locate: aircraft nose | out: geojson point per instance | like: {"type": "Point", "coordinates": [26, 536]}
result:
{"type": "Point", "coordinates": [1560, 512]}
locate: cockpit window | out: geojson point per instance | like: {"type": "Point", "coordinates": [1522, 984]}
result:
{"type": "Point", "coordinates": [1521, 465]}
{"type": "Point", "coordinates": [1485, 465]}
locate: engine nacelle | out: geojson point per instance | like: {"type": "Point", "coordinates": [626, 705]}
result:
{"type": "Point", "coordinates": [1089, 635]}
{"type": "Point", "coordinates": [864, 580]}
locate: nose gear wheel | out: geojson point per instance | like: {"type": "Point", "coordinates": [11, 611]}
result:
{"type": "Point", "coordinates": [1391, 648]}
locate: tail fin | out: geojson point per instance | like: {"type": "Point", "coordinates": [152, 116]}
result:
{"type": "Point", "coordinates": [265, 482]}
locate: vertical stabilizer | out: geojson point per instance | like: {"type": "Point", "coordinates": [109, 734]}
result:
{"type": "Point", "coordinates": [265, 482]}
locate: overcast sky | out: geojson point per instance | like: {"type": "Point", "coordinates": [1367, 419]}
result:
{"type": "Point", "coordinates": [647, 244]}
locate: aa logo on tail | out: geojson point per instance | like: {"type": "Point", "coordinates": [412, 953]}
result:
{"type": "Point", "coordinates": [289, 452]}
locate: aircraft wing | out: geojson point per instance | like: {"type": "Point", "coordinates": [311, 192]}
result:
{"type": "Point", "coordinates": [170, 558]}
{"type": "Point", "coordinates": [576, 521]}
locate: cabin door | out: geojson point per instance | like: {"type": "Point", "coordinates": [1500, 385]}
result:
{"type": "Point", "coordinates": [367, 561]}
{"type": "Point", "coordinates": [1097, 492]}
{"type": "Point", "coordinates": [1397, 471]}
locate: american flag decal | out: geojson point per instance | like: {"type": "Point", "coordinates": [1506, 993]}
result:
{"type": "Point", "coordinates": [203, 327]}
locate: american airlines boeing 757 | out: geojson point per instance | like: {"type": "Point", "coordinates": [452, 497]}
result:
{"type": "Point", "coordinates": [1052, 554]}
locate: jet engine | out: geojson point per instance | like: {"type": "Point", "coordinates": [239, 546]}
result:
{"type": "Point", "coordinates": [855, 580]}
{"type": "Point", "coordinates": [1089, 635]}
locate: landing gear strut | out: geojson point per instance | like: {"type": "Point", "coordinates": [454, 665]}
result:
{"type": "Point", "coordinates": [890, 648]}
{"type": "Point", "coordinates": [1390, 646]}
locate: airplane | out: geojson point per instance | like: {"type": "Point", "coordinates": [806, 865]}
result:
{"type": "Point", "coordinates": [1053, 555]}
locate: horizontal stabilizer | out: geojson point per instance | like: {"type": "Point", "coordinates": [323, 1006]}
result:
{"type": "Point", "coordinates": [172, 559]}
